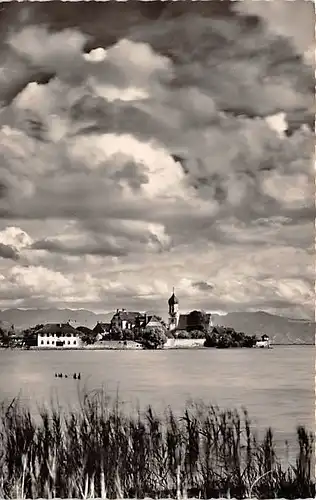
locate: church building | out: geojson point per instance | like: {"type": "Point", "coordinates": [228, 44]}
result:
{"type": "Point", "coordinates": [177, 321]}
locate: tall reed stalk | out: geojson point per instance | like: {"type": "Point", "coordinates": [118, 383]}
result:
{"type": "Point", "coordinates": [101, 451]}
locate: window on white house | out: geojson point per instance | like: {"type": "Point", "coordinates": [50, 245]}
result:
{"type": "Point", "coordinates": [42, 341]}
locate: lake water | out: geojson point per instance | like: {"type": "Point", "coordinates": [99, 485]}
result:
{"type": "Point", "coordinates": [276, 386]}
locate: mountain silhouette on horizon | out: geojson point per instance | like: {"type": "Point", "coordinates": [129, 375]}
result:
{"type": "Point", "coordinates": [280, 329]}
{"type": "Point", "coordinates": [26, 318]}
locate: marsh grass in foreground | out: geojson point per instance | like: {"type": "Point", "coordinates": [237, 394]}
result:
{"type": "Point", "coordinates": [103, 452]}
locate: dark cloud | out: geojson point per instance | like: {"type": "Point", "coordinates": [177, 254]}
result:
{"type": "Point", "coordinates": [120, 17]}
{"type": "Point", "coordinates": [105, 250]}
{"type": "Point", "coordinates": [60, 16]}
{"type": "Point", "coordinates": [132, 173]}
{"type": "Point", "coordinates": [203, 286]}
{"type": "Point", "coordinates": [230, 61]}
{"type": "Point", "coordinates": [3, 190]}
{"type": "Point", "coordinates": [8, 252]}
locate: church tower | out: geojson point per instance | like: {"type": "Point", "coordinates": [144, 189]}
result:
{"type": "Point", "coordinates": [173, 318]}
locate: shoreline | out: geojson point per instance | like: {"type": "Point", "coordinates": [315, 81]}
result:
{"type": "Point", "coordinates": [129, 348]}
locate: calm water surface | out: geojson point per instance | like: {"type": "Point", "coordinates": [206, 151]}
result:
{"type": "Point", "coordinates": [276, 386]}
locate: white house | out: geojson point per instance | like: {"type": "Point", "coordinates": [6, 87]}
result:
{"type": "Point", "coordinates": [264, 342]}
{"type": "Point", "coordinates": [58, 335]}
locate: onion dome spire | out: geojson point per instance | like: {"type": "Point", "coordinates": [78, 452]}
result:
{"type": "Point", "coordinates": [173, 299]}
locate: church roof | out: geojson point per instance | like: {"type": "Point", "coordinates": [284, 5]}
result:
{"type": "Point", "coordinates": [130, 316]}
{"type": "Point", "coordinates": [183, 321]}
{"type": "Point", "coordinates": [62, 328]}
{"type": "Point", "coordinates": [153, 321]}
{"type": "Point", "coordinates": [173, 300]}
{"type": "Point", "coordinates": [102, 327]}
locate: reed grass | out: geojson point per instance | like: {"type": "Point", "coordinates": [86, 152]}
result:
{"type": "Point", "coordinates": [103, 452]}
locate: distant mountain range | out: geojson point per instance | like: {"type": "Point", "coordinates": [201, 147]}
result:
{"type": "Point", "coordinates": [25, 318]}
{"type": "Point", "coordinates": [281, 330]}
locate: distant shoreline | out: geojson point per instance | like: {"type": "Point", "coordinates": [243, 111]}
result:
{"type": "Point", "coordinates": [122, 348]}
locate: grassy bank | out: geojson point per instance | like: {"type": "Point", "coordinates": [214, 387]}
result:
{"type": "Point", "coordinates": [103, 452]}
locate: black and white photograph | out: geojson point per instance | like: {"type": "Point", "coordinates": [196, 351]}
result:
{"type": "Point", "coordinates": [157, 249]}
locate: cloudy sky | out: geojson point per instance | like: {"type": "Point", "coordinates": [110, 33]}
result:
{"type": "Point", "coordinates": [151, 145]}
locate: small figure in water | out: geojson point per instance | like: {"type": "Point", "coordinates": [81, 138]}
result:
{"type": "Point", "coordinates": [79, 376]}
{"type": "Point", "coordinates": [56, 375]}
{"type": "Point", "coordinates": [75, 376]}
{"type": "Point", "coordinates": [60, 375]}
{"type": "Point", "coordinates": [66, 376]}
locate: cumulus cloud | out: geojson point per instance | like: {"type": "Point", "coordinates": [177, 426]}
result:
{"type": "Point", "coordinates": [171, 159]}
{"type": "Point", "coordinates": [294, 20]}
{"type": "Point", "coordinates": [15, 237]}
{"type": "Point", "coordinates": [278, 123]}
{"type": "Point", "coordinates": [240, 67]}
{"type": "Point", "coordinates": [110, 239]}
{"type": "Point", "coordinates": [42, 47]}
{"type": "Point", "coordinates": [96, 55]}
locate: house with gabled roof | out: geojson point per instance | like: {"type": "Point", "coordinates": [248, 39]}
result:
{"type": "Point", "coordinates": [220, 330]}
{"type": "Point", "coordinates": [127, 320]}
{"type": "Point", "coordinates": [153, 321]}
{"type": "Point", "coordinates": [102, 328]}
{"type": "Point", "coordinates": [54, 335]}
